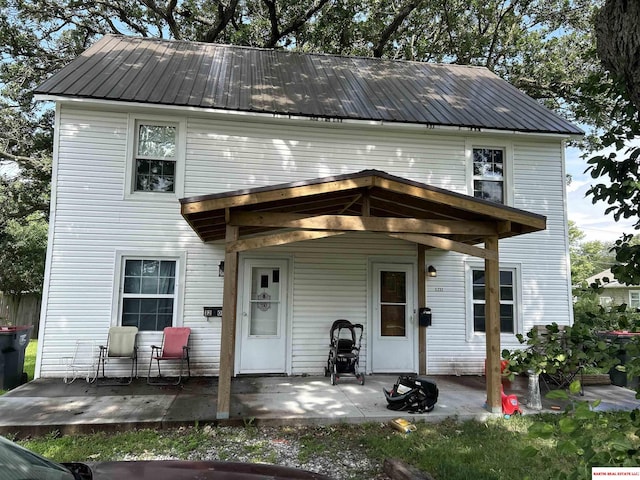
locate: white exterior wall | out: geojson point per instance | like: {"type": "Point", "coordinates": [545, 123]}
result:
{"type": "Point", "coordinates": [93, 222]}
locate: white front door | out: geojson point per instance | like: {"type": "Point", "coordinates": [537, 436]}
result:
{"type": "Point", "coordinates": [263, 317]}
{"type": "Point", "coordinates": [393, 322]}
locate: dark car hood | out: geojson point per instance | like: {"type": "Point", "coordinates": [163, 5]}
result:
{"type": "Point", "coordinates": [205, 470]}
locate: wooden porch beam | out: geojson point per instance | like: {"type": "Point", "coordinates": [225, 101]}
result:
{"type": "Point", "coordinates": [362, 223]}
{"type": "Point", "coordinates": [278, 239]}
{"type": "Point", "coordinates": [446, 244]}
{"type": "Point", "coordinates": [269, 195]}
{"type": "Point", "coordinates": [228, 334]}
{"type": "Point", "coordinates": [468, 204]}
{"type": "Point", "coordinates": [492, 327]}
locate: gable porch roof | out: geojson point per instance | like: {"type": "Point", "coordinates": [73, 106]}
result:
{"type": "Point", "coordinates": [369, 200]}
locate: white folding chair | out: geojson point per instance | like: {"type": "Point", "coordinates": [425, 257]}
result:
{"type": "Point", "coordinates": [83, 363]}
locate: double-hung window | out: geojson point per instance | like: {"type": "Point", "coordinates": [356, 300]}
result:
{"type": "Point", "coordinates": [489, 174]}
{"type": "Point", "coordinates": [155, 157]}
{"type": "Point", "coordinates": [148, 293]}
{"type": "Point", "coordinates": [508, 300]}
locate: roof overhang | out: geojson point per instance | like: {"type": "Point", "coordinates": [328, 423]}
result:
{"type": "Point", "coordinates": [369, 200]}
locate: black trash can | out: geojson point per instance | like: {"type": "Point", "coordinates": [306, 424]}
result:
{"type": "Point", "coordinates": [619, 378]}
{"type": "Point", "coordinates": [1, 369]}
{"type": "Point", "coordinates": [13, 344]}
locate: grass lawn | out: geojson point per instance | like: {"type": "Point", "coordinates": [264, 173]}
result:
{"type": "Point", "coordinates": [451, 450]}
{"type": "Point", "coordinates": [30, 358]}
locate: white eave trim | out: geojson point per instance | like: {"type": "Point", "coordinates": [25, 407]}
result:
{"type": "Point", "coordinates": [277, 116]}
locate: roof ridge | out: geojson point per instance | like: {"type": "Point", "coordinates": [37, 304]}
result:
{"type": "Point", "coordinates": [297, 52]}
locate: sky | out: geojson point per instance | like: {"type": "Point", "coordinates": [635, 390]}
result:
{"type": "Point", "coordinates": [589, 217]}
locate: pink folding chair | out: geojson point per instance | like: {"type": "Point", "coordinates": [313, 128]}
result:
{"type": "Point", "coordinates": [174, 347]}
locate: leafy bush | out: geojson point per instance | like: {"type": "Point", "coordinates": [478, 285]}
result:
{"type": "Point", "coordinates": [603, 319]}
{"type": "Point", "coordinates": [586, 438]}
{"type": "Point", "coordinates": [560, 352]}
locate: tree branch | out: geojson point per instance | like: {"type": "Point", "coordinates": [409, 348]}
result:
{"type": "Point", "coordinates": [301, 19]}
{"type": "Point", "coordinates": [18, 158]}
{"type": "Point", "coordinates": [274, 34]}
{"type": "Point", "coordinates": [225, 14]}
{"type": "Point", "coordinates": [404, 12]}
{"type": "Point", "coordinates": [494, 38]}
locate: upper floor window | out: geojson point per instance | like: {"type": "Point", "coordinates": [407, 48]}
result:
{"type": "Point", "coordinates": [156, 161]}
{"type": "Point", "coordinates": [489, 174]}
{"type": "Point", "coordinates": [155, 158]}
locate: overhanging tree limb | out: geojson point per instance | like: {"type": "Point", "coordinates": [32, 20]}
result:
{"type": "Point", "coordinates": [390, 29]}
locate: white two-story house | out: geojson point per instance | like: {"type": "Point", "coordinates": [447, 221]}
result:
{"type": "Point", "coordinates": [258, 195]}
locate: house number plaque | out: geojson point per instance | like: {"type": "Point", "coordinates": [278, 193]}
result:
{"type": "Point", "coordinates": [213, 312]}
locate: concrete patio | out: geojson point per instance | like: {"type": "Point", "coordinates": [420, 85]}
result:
{"type": "Point", "coordinates": [46, 405]}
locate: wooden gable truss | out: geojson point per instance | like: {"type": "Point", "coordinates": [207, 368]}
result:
{"type": "Point", "coordinates": [370, 201]}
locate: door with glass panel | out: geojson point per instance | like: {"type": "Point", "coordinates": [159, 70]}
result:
{"type": "Point", "coordinates": [393, 319]}
{"type": "Point", "coordinates": [263, 317]}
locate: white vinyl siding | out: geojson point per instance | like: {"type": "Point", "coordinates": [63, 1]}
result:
{"type": "Point", "coordinates": [228, 155]}
{"type": "Point", "coordinates": [538, 179]}
{"type": "Point", "coordinates": [95, 219]}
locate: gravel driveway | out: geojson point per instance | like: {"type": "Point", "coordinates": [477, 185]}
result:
{"type": "Point", "coordinates": [277, 445]}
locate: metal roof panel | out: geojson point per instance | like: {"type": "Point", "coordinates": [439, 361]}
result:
{"type": "Point", "coordinates": [120, 68]}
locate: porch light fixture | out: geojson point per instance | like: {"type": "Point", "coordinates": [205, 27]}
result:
{"type": "Point", "coordinates": [431, 271]}
{"type": "Point", "coordinates": [221, 269]}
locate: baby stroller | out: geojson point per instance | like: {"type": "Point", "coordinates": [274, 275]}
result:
{"type": "Point", "coordinates": [413, 394]}
{"type": "Point", "coordinates": [344, 353]}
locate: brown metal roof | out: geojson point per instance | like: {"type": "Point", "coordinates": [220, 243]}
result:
{"type": "Point", "coordinates": [343, 197]}
{"type": "Point", "coordinates": [281, 82]}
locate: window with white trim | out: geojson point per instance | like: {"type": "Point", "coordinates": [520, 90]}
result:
{"type": "Point", "coordinates": [634, 299]}
{"type": "Point", "coordinates": [155, 157]}
{"type": "Point", "coordinates": [508, 300]}
{"type": "Point", "coordinates": [155, 161]}
{"type": "Point", "coordinates": [149, 293]}
{"type": "Point", "coordinates": [489, 173]}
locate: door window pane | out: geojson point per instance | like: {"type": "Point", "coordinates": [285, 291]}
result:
{"type": "Point", "coordinates": [393, 304]}
{"type": "Point", "coordinates": [393, 287]}
{"type": "Point", "coordinates": [393, 321]}
{"type": "Point", "coordinates": [265, 301]}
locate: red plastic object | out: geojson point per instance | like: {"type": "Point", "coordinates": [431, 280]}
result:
{"type": "Point", "coordinates": [510, 403]}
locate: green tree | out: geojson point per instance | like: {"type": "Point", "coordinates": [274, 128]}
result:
{"type": "Point", "coordinates": [22, 255]}
{"type": "Point", "coordinates": [618, 47]}
{"type": "Point", "coordinates": [544, 47]}
{"type": "Point", "coordinates": [587, 257]}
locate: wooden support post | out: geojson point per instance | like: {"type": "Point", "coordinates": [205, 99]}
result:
{"type": "Point", "coordinates": [422, 302]}
{"type": "Point", "coordinates": [492, 326]}
{"type": "Point", "coordinates": [228, 335]}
